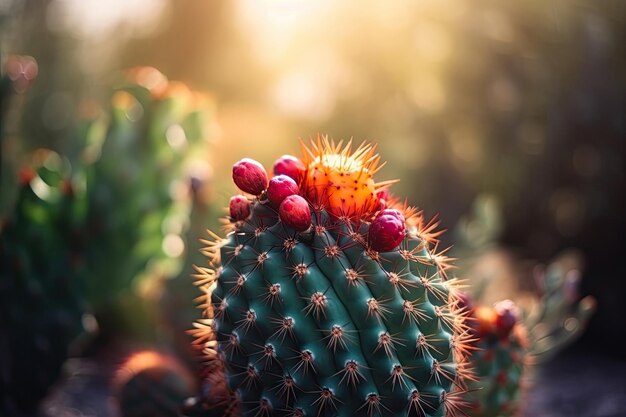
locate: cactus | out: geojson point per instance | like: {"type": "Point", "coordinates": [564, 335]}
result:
{"type": "Point", "coordinates": [82, 239]}
{"type": "Point", "coordinates": [151, 384]}
{"type": "Point", "coordinates": [139, 158]}
{"type": "Point", "coordinates": [549, 317]}
{"type": "Point", "coordinates": [41, 301]}
{"type": "Point", "coordinates": [333, 301]}
{"type": "Point", "coordinates": [499, 360]}
{"type": "Point", "coordinates": [510, 341]}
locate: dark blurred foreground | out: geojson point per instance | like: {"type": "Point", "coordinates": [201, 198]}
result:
{"type": "Point", "coordinates": [575, 384]}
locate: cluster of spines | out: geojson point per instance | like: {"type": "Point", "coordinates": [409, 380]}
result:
{"type": "Point", "coordinates": [317, 322]}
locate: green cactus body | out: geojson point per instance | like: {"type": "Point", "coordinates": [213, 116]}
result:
{"type": "Point", "coordinates": [498, 355]}
{"type": "Point", "coordinates": [499, 365]}
{"type": "Point", "coordinates": [317, 323]}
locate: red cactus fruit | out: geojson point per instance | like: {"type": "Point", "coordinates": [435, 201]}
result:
{"type": "Point", "coordinates": [484, 322]}
{"type": "Point", "coordinates": [290, 166]}
{"type": "Point", "coordinates": [387, 230]}
{"type": "Point", "coordinates": [250, 176]}
{"type": "Point", "coordinates": [507, 315]}
{"type": "Point", "coordinates": [294, 212]}
{"type": "Point", "coordinates": [239, 207]}
{"type": "Point", "coordinates": [395, 213]}
{"type": "Point", "coordinates": [383, 198]}
{"type": "Point", "coordinates": [281, 187]}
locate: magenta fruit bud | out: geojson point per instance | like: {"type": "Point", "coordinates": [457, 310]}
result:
{"type": "Point", "coordinates": [382, 197]}
{"type": "Point", "coordinates": [506, 317]}
{"type": "Point", "coordinates": [250, 176]}
{"type": "Point", "coordinates": [387, 230]}
{"type": "Point", "coordinates": [294, 212]}
{"type": "Point", "coordinates": [239, 207]}
{"type": "Point", "coordinates": [395, 213]}
{"type": "Point", "coordinates": [281, 187]}
{"type": "Point", "coordinates": [290, 166]}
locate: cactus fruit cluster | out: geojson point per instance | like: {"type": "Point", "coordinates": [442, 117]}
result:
{"type": "Point", "coordinates": [41, 301]}
{"type": "Point", "coordinates": [328, 297]}
{"type": "Point", "coordinates": [499, 359]}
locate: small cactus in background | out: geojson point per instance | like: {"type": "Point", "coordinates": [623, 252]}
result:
{"type": "Point", "coordinates": [151, 384]}
{"type": "Point", "coordinates": [499, 359]}
{"type": "Point", "coordinates": [549, 313]}
{"type": "Point", "coordinates": [333, 303]}
{"type": "Point", "coordinates": [41, 301]}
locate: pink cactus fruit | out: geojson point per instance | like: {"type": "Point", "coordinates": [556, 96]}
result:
{"type": "Point", "coordinates": [239, 207]}
{"type": "Point", "coordinates": [294, 212]}
{"type": "Point", "coordinates": [290, 166]}
{"type": "Point", "coordinates": [507, 316]}
{"type": "Point", "coordinates": [383, 198]}
{"type": "Point", "coordinates": [281, 187]}
{"type": "Point", "coordinates": [387, 230]}
{"type": "Point", "coordinates": [250, 176]}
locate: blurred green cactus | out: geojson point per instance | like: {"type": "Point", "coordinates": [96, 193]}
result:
{"type": "Point", "coordinates": [140, 156]}
{"type": "Point", "coordinates": [551, 312]}
{"type": "Point", "coordinates": [88, 238]}
{"type": "Point", "coordinates": [138, 189]}
{"type": "Point", "coordinates": [552, 307]}
{"type": "Point", "coordinates": [499, 360]}
{"type": "Point", "coordinates": [308, 318]}
{"type": "Point", "coordinates": [41, 299]}
{"type": "Point", "coordinates": [42, 209]}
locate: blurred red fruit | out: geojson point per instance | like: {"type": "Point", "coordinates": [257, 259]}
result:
{"type": "Point", "coordinates": [507, 315]}
{"type": "Point", "coordinates": [239, 207]}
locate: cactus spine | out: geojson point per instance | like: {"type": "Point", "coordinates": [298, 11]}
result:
{"type": "Point", "coordinates": [305, 317]}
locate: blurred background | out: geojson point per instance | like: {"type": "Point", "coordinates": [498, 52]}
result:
{"type": "Point", "coordinates": [506, 119]}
